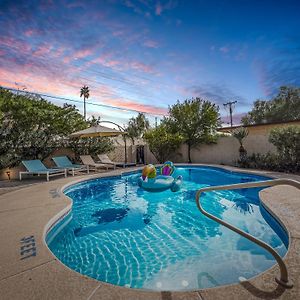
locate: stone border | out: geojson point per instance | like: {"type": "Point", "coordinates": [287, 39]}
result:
{"type": "Point", "coordinates": [29, 270]}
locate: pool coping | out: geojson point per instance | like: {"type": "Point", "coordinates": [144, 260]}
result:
{"type": "Point", "coordinates": [43, 276]}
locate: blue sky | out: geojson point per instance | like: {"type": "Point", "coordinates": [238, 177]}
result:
{"type": "Point", "coordinates": [146, 55]}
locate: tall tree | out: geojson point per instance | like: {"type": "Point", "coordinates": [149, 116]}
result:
{"type": "Point", "coordinates": [85, 92]}
{"type": "Point", "coordinates": [162, 143]}
{"type": "Point", "coordinates": [137, 126]}
{"type": "Point", "coordinates": [283, 107]}
{"type": "Point", "coordinates": [31, 128]}
{"type": "Point", "coordinates": [196, 120]}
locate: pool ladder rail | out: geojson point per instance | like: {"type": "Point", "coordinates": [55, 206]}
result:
{"type": "Point", "coordinates": [283, 280]}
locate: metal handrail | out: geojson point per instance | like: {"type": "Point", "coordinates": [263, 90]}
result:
{"type": "Point", "coordinates": [284, 281]}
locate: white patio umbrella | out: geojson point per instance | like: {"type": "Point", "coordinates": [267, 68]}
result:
{"type": "Point", "coordinates": [99, 130]}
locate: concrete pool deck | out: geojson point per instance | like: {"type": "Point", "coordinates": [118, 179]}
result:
{"type": "Point", "coordinates": [28, 270]}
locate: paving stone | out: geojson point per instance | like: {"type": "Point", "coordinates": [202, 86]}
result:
{"type": "Point", "coordinates": [49, 281]}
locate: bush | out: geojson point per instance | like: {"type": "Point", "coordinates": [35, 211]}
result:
{"type": "Point", "coordinates": [92, 146]}
{"type": "Point", "coordinates": [287, 142]}
{"type": "Point", "coordinates": [287, 159]}
{"type": "Point", "coordinates": [32, 128]}
{"type": "Point", "coordinates": [162, 143]}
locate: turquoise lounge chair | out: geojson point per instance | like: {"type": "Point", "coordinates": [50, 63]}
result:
{"type": "Point", "coordinates": [63, 162]}
{"type": "Point", "coordinates": [37, 167]}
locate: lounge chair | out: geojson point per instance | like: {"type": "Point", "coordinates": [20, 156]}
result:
{"type": "Point", "coordinates": [63, 162]}
{"type": "Point", "coordinates": [37, 167]}
{"type": "Point", "coordinates": [88, 160]}
{"type": "Point", "coordinates": [106, 160]}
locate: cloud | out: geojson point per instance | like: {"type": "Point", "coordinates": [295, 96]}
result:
{"type": "Point", "coordinates": [224, 49]}
{"type": "Point", "coordinates": [164, 5]}
{"type": "Point", "coordinates": [123, 102]}
{"type": "Point", "coordinates": [158, 9]}
{"type": "Point", "coordinates": [40, 41]}
{"type": "Point", "coordinates": [83, 53]}
{"type": "Point", "coordinates": [217, 93]}
{"type": "Point", "coordinates": [178, 22]}
{"type": "Point", "coordinates": [279, 65]}
{"type": "Point", "coordinates": [150, 44]}
{"type": "Point", "coordinates": [236, 118]}
{"type": "Point", "coordinates": [61, 85]}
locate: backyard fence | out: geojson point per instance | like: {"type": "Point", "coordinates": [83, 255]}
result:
{"type": "Point", "coordinates": [225, 151]}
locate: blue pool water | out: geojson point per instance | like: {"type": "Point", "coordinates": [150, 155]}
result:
{"type": "Point", "coordinates": [121, 234]}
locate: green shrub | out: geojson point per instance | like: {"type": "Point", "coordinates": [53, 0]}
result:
{"type": "Point", "coordinates": [271, 162]}
{"type": "Point", "coordinates": [287, 142]}
{"type": "Point", "coordinates": [162, 143]}
{"type": "Point", "coordinates": [287, 159]}
{"type": "Point", "coordinates": [32, 128]}
{"type": "Point", "coordinates": [92, 146]}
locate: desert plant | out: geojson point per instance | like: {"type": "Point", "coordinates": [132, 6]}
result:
{"type": "Point", "coordinates": [240, 134]}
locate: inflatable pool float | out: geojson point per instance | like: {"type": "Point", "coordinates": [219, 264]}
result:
{"type": "Point", "coordinates": [152, 183]}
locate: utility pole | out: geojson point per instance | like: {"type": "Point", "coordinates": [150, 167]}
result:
{"type": "Point", "coordinates": [230, 104]}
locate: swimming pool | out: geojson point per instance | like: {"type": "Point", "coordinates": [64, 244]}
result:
{"type": "Point", "coordinates": [121, 234]}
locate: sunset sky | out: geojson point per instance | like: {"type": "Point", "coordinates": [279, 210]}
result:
{"type": "Point", "coordinates": [146, 55]}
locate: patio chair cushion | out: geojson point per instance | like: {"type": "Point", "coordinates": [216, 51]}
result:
{"type": "Point", "coordinates": [34, 165]}
{"type": "Point", "coordinates": [64, 162]}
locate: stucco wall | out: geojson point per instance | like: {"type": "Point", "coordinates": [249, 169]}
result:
{"type": "Point", "coordinates": [225, 151]}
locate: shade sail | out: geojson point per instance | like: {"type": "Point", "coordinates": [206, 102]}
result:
{"type": "Point", "coordinates": [98, 130]}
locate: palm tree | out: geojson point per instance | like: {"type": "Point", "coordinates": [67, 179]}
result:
{"type": "Point", "coordinates": [240, 134]}
{"type": "Point", "coordinates": [137, 126]}
{"type": "Point", "coordinates": [85, 92]}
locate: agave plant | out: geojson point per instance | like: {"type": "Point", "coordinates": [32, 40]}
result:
{"type": "Point", "coordinates": [240, 134]}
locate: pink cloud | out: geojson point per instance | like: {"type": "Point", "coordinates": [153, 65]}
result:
{"type": "Point", "coordinates": [124, 103]}
{"type": "Point", "coordinates": [224, 49]}
{"type": "Point", "coordinates": [107, 61]}
{"type": "Point", "coordinates": [158, 9]}
{"type": "Point", "coordinates": [15, 44]}
{"type": "Point", "coordinates": [261, 73]}
{"type": "Point", "coordinates": [150, 44]}
{"type": "Point", "coordinates": [59, 84]}
{"type": "Point", "coordinates": [82, 53]}
{"type": "Point", "coordinates": [42, 50]}
{"type": "Point", "coordinates": [118, 32]}
{"type": "Point", "coordinates": [141, 67]}
{"type": "Point", "coordinates": [29, 32]}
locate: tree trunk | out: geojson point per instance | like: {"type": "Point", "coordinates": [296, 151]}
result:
{"type": "Point", "coordinates": [84, 108]}
{"type": "Point", "coordinates": [189, 153]}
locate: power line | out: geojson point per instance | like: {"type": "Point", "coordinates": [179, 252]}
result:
{"type": "Point", "coordinates": [102, 74]}
{"type": "Point", "coordinates": [77, 101]}
{"type": "Point", "coordinates": [230, 104]}
{"type": "Point", "coordinates": [43, 59]}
